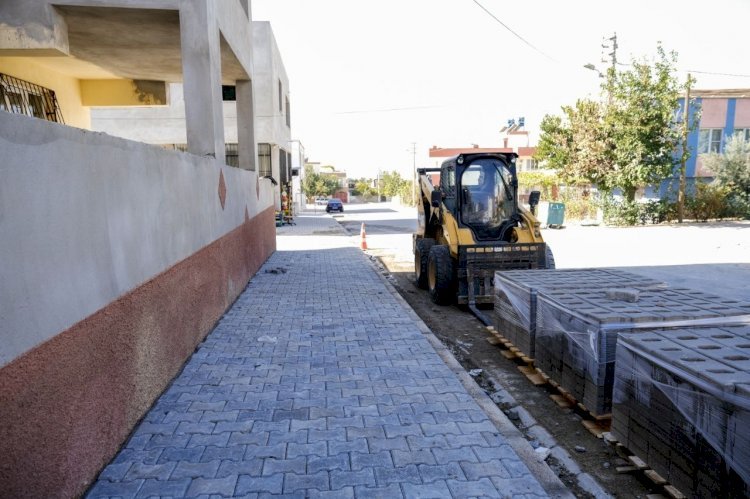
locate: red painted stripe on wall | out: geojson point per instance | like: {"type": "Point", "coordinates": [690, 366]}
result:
{"type": "Point", "coordinates": [67, 406]}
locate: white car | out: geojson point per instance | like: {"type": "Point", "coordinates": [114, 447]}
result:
{"type": "Point", "coordinates": [321, 201]}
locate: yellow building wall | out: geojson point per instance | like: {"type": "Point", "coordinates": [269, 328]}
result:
{"type": "Point", "coordinates": [122, 93]}
{"type": "Point", "coordinates": [67, 88]}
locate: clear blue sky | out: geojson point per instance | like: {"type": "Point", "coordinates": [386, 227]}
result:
{"type": "Point", "coordinates": [368, 78]}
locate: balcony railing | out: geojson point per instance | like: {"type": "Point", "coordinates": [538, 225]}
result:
{"type": "Point", "coordinates": [22, 97]}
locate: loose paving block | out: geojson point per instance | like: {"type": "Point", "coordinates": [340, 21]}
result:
{"type": "Point", "coordinates": [681, 402]}
{"type": "Point", "coordinates": [516, 292]}
{"type": "Point", "coordinates": [576, 333]}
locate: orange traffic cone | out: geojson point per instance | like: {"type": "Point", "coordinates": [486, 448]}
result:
{"type": "Point", "coordinates": [363, 235]}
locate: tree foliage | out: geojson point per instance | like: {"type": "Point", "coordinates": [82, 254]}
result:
{"type": "Point", "coordinates": [363, 188]}
{"type": "Point", "coordinates": [392, 184]}
{"type": "Point", "coordinates": [628, 140]}
{"type": "Point", "coordinates": [318, 184]}
{"type": "Point", "coordinates": [732, 169]}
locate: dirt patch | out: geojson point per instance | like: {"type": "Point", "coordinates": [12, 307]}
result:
{"type": "Point", "coordinates": [466, 337]}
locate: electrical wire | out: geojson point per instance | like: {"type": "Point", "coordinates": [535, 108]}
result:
{"type": "Point", "coordinates": [512, 32]}
{"type": "Point", "coordinates": [717, 74]}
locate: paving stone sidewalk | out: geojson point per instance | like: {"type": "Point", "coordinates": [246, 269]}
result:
{"type": "Point", "coordinates": [316, 383]}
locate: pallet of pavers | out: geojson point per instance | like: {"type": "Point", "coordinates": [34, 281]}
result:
{"type": "Point", "coordinates": [682, 404]}
{"type": "Point", "coordinates": [576, 333]}
{"type": "Point", "coordinates": [516, 291]}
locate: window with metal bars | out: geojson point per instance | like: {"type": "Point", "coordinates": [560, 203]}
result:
{"type": "Point", "coordinates": [22, 97]}
{"type": "Point", "coordinates": [264, 160]}
{"type": "Point", "coordinates": [232, 154]}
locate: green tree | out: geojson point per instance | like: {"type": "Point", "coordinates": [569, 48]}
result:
{"type": "Point", "coordinates": [393, 185]}
{"type": "Point", "coordinates": [363, 187]}
{"type": "Point", "coordinates": [626, 142]}
{"type": "Point", "coordinates": [318, 184]}
{"type": "Point", "coordinates": [732, 169]}
{"type": "Point", "coordinates": [641, 124]}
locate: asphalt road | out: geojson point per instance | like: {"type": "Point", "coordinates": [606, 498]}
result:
{"type": "Point", "coordinates": [711, 257]}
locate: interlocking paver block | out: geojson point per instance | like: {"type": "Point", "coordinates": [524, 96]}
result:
{"type": "Point", "coordinates": [408, 473]}
{"type": "Point", "coordinates": [105, 488]}
{"type": "Point", "coordinates": [461, 454]}
{"type": "Point", "coordinates": [252, 468]}
{"type": "Point", "coordinates": [345, 493]}
{"type": "Point", "coordinates": [339, 462]}
{"type": "Point", "coordinates": [382, 459]}
{"type": "Point", "coordinates": [393, 490]}
{"type": "Point", "coordinates": [477, 488]}
{"type": "Point", "coordinates": [341, 479]}
{"type": "Point", "coordinates": [317, 382]}
{"type": "Point", "coordinates": [380, 444]}
{"type": "Point", "coordinates": [213, 486]}
{"type": "Point", "coordinates": [432, 473]}
{"type": "Point", "coordinates": [194, 470]}
{"type": "Point", "coordinates": [160, 488]}
{"type": "Point", "coordinates": [494, 467]}
{"type": "Point", "coordinates": [272, 466]}
{"type": "Point", "coordinates": [438, 489]}
{"type": "Point", "coordinates": [294, 482]}
{"type": "Point", "coordinates": [158, 471]}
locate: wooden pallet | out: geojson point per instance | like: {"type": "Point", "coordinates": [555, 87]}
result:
{"type": "Point", "coordinates": [638, 465]}
{"type": "Point", "coordinates": [596, 424]}
{"type": "Point", "coordinates": [508, 349]}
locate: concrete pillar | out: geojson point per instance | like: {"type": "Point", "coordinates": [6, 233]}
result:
{"type": "Point", "coordinates": [245, 125]}
{"type": "Point", "coordinates": [201, 71]}
{"type": "Point", "coordinates": [246, 6]}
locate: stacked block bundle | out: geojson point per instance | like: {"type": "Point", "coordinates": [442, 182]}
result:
{"type": "Point", "coordinates": [576, 333]}
{"type": "Point", "coordinates": [516, 292]}
{"type": "Point", "coordinates": [682, 403]}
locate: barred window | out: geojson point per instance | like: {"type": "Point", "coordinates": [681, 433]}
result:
{"type": "Point", "coordinates": [264, 160]}
{"type": "Point", "coordinates": [22, 97]}
{"type": "Point", "coordinates": [232, 155]}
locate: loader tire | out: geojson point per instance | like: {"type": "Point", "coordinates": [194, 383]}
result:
{"type": "Point", "coordinates": [440, 280]}
{"type": "Point", "coordinates": [549, 258]}
{"type": "Point", "coordinates": [421, 258]}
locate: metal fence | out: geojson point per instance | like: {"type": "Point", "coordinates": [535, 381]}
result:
{"type": "Point", "coordinates": [22, 97]}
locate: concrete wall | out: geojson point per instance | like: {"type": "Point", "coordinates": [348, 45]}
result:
{"type": "Point", "coordinates": [66, 88]}
{"type": "Point", "coordinates": [742, 114]}
{"type": "Point", "coordinates": [269, 69]}
{"type": "Point", "coordinates": [118, 257]}
{"type": "Point", "coordinates": [157, 125]}
{"type": "Point", "coordinates": [166, 125]}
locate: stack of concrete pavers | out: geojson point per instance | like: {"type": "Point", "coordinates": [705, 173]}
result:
{"type": "Point", "coordinates": [576, 333]}
{"type": "Point", "coordinates": [516, 291]}
{"type": "Point", "coordinates": [682, 403]}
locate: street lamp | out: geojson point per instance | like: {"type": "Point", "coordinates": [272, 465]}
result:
{"type": "Point", "coordinates": [593, 68]}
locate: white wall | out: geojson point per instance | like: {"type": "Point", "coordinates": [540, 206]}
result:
{"type": "Point", "coordinates": [86, 217]}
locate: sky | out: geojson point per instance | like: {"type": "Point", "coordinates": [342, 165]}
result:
{"type": "Point", "coordinates": [368, 79]}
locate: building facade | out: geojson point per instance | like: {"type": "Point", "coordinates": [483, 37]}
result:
{"type": "Point", "coordinates": [723, 113]}
{"type": "Point", "coordinates": [118, 257]}
{"type": "Point", "coordinates": [165, 125]}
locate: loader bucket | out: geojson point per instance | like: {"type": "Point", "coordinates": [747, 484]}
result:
{"type": "Point", "coordinates": [477, 265]}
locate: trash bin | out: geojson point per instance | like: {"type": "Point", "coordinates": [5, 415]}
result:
{"type": "Point", "coordinates": [556, 215]}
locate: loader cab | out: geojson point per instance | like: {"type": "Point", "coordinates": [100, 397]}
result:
{"type": "Point", "coordinates": [480, 191]}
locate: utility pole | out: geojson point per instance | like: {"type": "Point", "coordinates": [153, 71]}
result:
{"type": "Point", "coordinates": [684, 155]}
{"type": "Point", "coordinates": [414, 166]}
